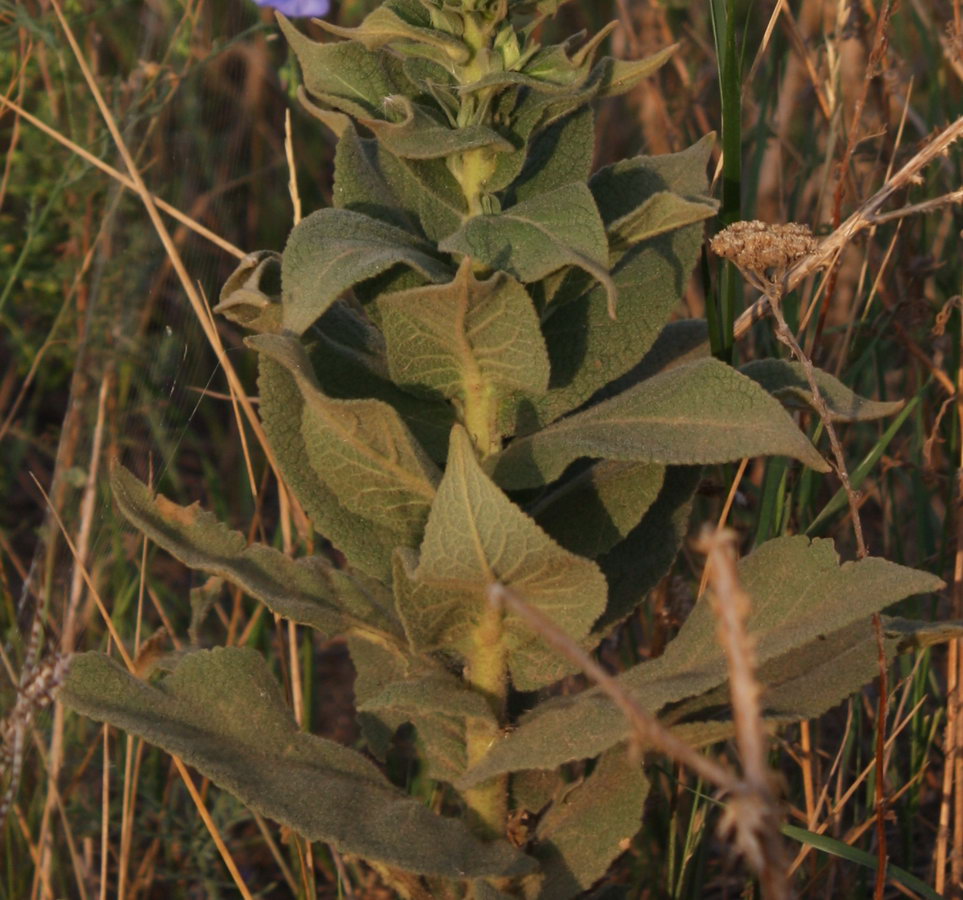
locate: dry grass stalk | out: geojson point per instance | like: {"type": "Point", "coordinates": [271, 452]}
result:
{"type": "Point", "coordinates": [764, 254]}
{"type": "Point", "coordinates": [753, 816]}
{"type": "Point", "coordinates": [867, 215]}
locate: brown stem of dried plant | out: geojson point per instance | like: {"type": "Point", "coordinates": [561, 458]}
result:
{"type": "Point", "coordinates": [754, 820]}
{"type": "Point", "coordinates": [881, 713]}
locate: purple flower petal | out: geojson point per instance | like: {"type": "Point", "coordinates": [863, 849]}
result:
{"type": "Point", "coordinates": [297, 9]}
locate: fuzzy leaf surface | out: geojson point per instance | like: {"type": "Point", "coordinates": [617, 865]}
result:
{"type": "Point", "coordinates": [465, 338]}
{"type": "Point", "coordinates": [787, 381]}
{"type": "Point", "coordinates": [800, 594]}
{"type": "Point", "coordinates": [419, 135]}
{"type": "Point", "coordinates": [331, 250]}
{"type": "Point", "coordinates": [663, 211]}
{"type": "Point", "coordinates": [367, 545]}
{"type": "Point", "coordinates": [559, 155]}
{"type": "Point", "coordinates": [592, 512]}
{"type": "Point", "coordinates": [588, 350]}
{"type": "Point", "coordinates": [476, 537]}
{"type": "Point", "coordinates": [539, 236]}
{"type": "Point", "coordinates": [361, 448]}
{"type": "Point", "coordinates": [308, 590]}
{"type": "Point", "coordinates": [223, 712]}
{"type": "Point", "coordinates": [588, 826]}
{"type": "Point", "coordinates": [618, 76]}
{"type": "Point", "coordinates": [635, 565]}
{"type": "Point", "coordinates": [347, 75]}
{"type": "Point", "coordinates": [703, 412]}
{"type": "Point", "coordinates": [251, 295]}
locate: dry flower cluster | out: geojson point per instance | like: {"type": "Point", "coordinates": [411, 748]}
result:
{"type": "Point", "coordinates": [762, 248]}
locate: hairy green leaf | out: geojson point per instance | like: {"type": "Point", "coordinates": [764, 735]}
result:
{"type": "Point", "coordinates": [429, 187]}
{"type": "Point", "coordinates": [349, 359]}
{"type": "Point", "coordinates": [251, 296]}
{"type": "Point", "coordinates": [560, 155]}
{"type": "Point", "coordinates": [476, 537]}
{"type": "Point", "coordinates": [787, 381]}
{"type": "Point", "coordinates": [538, 236]}
{"type": "Point", "coordinates": [361, 448]}
{"type": "Point", "coordinates": [635, 565]}
{"type": "Point", "coordinates": [663, 211]}
{"type": "Point", "coordinates": [331, 250]}
{"type": "Point", "coordinates": [800, 594]}
{"type": "Point", "coordinates": [589, 825]}
{"type": "Point", "coordinates": [438, 705]}
{"type": "Point", "coordinates": [367, 545]}
{"type": "Point", "coordinates": [618, 76]}
{"type": "Point", "coordinates": [222, 712]}
{"type": "Point", "coordinates": [309, 590]}
{"type": "Point", "coordinates": [417, 134]}
{"type": "Point", "coordinates": [703, 412]}
{"type": "Point", "coordinates": [360, 185]}
{"type": "Point", "coordinates": [393, 22]}
{"type": "Point", "coordinates": [347, 75]}
{"type": "Point", "coordinates": [466, 339]}
{"type": "Point", "coordinates": [590, 513]}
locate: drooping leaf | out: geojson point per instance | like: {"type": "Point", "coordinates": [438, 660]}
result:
{"type": "Point", "coordinates": [558, 156]}
{"type": "Point", "coordinates": [590, 825]}
{"type": "Point", "coordinates": [468, 338]}
{"type": "Point", "coordinates": [347, 75]}
{"type": "Point", "coordinates": [361, 448]}
{"type": "Point", "coordinates": [331, 250]}
{"type": "Point", "coordinates": [416, 134]}
{"type": "Point", "coordinates": [538, 236]}
{"type": "Point", "coordinates": [635, 565]}
{"type": "Point", "coordinates": [367, 545]}
{"type": "Point", "coordinates": [439, 706]}
{"type": "Point", "coordinates": [308, 591]}
{"type": "Point", "coordinates": [703, 412]}
{"type": "Point", "coordinates": [348, 356]}
{"type": "Point", "coordinates": [251, 295]}
{"type": "Point", "coordinates": [360, 185]}
{"type": "Point", "coordinates": [223, 713]}
{"type": "Point", "coordinates": [596, 509]}
{"type": "Point", "coordinates": [799, 594]}
{"type": "Point", "coordinates": [587, 348]}
{"type": "Point", "coordinates": [787, 381]}
{"type": "Point", "coordinates": [476, 537]}
{"type": "Point", "coordinates": [429, 187]}
{"type": "Point", "coordinates": [661, 212]}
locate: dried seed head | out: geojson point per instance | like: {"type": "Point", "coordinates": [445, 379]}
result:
{"type": "Point", "coordinates": [761, 248]}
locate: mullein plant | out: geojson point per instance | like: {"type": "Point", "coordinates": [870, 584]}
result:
{"type": "Point", "coordinates": [469, 382]}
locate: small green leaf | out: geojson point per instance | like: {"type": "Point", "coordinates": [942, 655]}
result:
{"type": "Point", "coordinates": [331, 250]}
{"type": "Point", "coordinates": [223, 713]}
{"type": "Point", "coordinates": [618, 76]}
{"type": "Point", "coordinates": [428, 186]}
{"type": "Point", "coordinates": [538, 236]}
{"type": "Point", "coordinates": [417, 134]}
{"type": "Point", "coordinates": [800, 594]}
{"type": "Point", "coordinates": [388, 24]}
{"type": "Point", "coordinates": [465, 338]}
{"type": "Point", "coordinates": [703, 412]}
{"type": "Point", "coordinates": [592, 512]}
{"type": "Point", "coordinates": [251, 295]}
{"type": "Point", "coordinates": [787, 381]}
{"type": "Point", "coordinates": [361, 449]}
{"type": "Point", "coordinates": [346, 75]}
{"type": "Point", "coordinates": [661, 212]}
{"type": "Point", "coordinates": [377, 664]}
{"type": "Point", "coordinates": [309, 591]}
{"type": "Point", "coordinates": [590, 825]}
{"type": "Point", "coordinates": [476, 537]}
